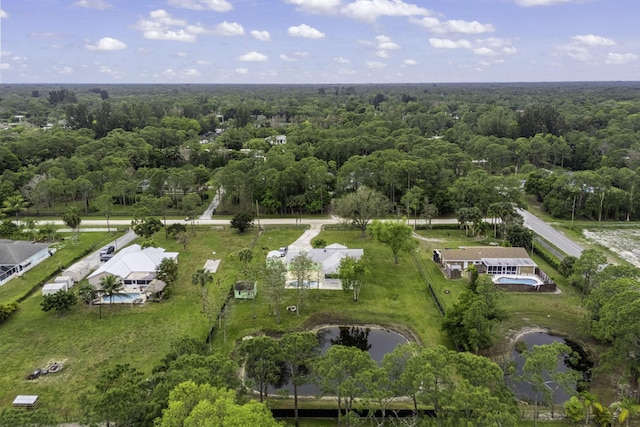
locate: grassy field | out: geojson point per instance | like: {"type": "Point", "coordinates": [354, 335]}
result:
{"type": "Point", "coordinates": [395, 296]}
{"type": "Point", "coordinates": [139, 335]}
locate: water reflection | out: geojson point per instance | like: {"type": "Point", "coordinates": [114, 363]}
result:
{"type": "Point", "coordinates": [377, 342]}
{"type": "Point", "coordinates": [578, 360]}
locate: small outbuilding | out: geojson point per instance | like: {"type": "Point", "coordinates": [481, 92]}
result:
{"type": "Point", "coordinates": [52, 288]}
{"type": "Point", "coordinates": [26, 401]}
{"type": "Point", "coordinates": [245, 289]}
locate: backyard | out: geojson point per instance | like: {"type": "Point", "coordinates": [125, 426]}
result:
{"type": "Point", "coordinates": [395, 296]}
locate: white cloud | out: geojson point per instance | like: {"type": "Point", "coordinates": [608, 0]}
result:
{"type": "Point", "coordinates": [385, 43]}
{"type": "Point", "coordinates": [3, 14]}
{"type": "Point", "coordinates": [203, 62]}
{"type": "Point", "coordinates": [382, 54]}
{"type": "Point", "coordinates": [341, 60]}
{"type": "Point", "coordinates": [182, 54]}
{"type": "Point", "coordinates": [371, 10]}
{"type": "Point", "coordinates": [178, 36]}
{"type": "Point", "coordinates": [63, 70]}
{"type": "Point", "coordinates": [93, 4]}
{"type": "Point", "coordinates": [529, 3]}
{"type": "Point", "coordinates": [169, 72]}
{"type": "Point", "coordinates": [160, 27]}
{"type": "Point", "coordinates": [409, 62]}
{"type": "Point", "coordinates": [253, 57]}
{"type": "Point", "coordinates": [263, 36]}
{"type": "Point", "coordinates": [306, 32]}
{"type": "Point", "coordinates": [449, 44]}
{"type": "Point", "coordinates": [242, 71]}
{"type": "Point", "coordinates": [586, 47]}
{"type": "Point", "coordinates": [5, 52]}
{"type": "Point", "coordinates": [229, 29]}
{"type": "Point", "coordinates": [106, 43]}
{"type": "Point", "coordinates": [620, 58]}
{"type": "Point", "coordinates": [215, 5]}
{"type": "Point", "coordinates": [593, 40]}
{"type": "Point", "coordinates": [375, 64]}
{"type": "Point", "coordinates": [190, 72]}
{"type": "Point", "coordinates": [455, 26]}
{"type": "Point", "coordinates": [484, 51]}
{"type": "Point", "coordinates": [161, 16]}
{"type": "Point", "coordinates": [287, 58]}
{"type": "Point", "coordinates": [316, 6]}
{"type": "Point", "coordinates": [300, 54]}
{"type": "Point", "coordinates": [106, 70]}
{"type": "Point", "coordinates": [4, 66]}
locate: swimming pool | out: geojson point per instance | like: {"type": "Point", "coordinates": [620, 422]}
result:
{"type": "Point", "coordinates": [517, 280]}
{"type": "Point", "coordinates": [126, 298]}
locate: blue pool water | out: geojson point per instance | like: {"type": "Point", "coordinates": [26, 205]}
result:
{"type": "Point", "coordinates": [516, 281]}
{"type": "Point", "coordinates": [120, 299]}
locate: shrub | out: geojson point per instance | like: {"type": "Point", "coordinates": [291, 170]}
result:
{"type": "Point", "coordinates": [6, 310]}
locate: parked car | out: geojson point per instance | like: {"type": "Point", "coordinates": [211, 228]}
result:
{"type": "Point", "coordinates": [34, 375]}
{"type": "Point", "coordinates": [108, 250]}
{"type": "Point", "coordinates": [107, 253]}
{"type": "Point", "coordinates": [283, 250]}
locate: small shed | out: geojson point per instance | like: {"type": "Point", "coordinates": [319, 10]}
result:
{"type": "Point", "coordinates": [245, 289]}
{"type": "Point", "coordinates": [26, 401]}
{"type": "Point", "coordinates": [68, 280]}
{"type": "Point", "coordinates": [52, 288]}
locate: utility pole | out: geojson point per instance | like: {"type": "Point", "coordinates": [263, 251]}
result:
{"type": "Point", "coordinates": [258, 215]}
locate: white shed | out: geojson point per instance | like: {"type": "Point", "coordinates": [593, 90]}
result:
{"type": "Point", "coordinates": [52, 288]}
{"type": "Point", "coordinates": [65, 279]}
{"type": "Point", "coordinates": [26, 401]}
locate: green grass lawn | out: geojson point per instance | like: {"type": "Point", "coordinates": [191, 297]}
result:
{"type": "Point", "coordinates": [395, 296]}
{"type": "Point", "coordinates": [139, 335]}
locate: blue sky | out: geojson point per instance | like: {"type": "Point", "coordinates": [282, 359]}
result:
{"type": "Point", "coordinates": [318, 41]}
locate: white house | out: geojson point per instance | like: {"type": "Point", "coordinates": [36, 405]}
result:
{"type": "Point", "coordinates": [276, 140]}
{"type": "Point", "coordinates": [326, 260]}
{"type": "Point", "coordinates": [134, 266]}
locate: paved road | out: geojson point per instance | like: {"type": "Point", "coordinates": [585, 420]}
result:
{"type": "Point", "coordinates": [550, 234]}
{"type": "Point", "coordinates": [213, 205]}
{"type": "Point", "coordinates": [540, 227]}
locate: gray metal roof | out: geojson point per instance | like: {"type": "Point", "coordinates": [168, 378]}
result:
{"type": "Point", "coordinates": [517, 262]}
{"type": "Point", "coordinates": [13, 252]}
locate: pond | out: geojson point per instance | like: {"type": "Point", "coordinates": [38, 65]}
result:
{"type": "Point", "coordinates": [376, 341]}
{"type": "Point", "coordinates": [579, 361]}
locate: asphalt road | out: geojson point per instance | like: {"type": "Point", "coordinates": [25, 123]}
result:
{"type": "Point", "coordinates": [550, 234]}
{"type": "Point", "coordinates": [541, 228]}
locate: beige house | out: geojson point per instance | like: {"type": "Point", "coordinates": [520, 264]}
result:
{"type": "Point", "coordinates": [487, 259]}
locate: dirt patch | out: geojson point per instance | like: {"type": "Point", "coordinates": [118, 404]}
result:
{"type": "Point", "coordinates": [625, 243]}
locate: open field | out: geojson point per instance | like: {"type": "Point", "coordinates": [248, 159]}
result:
{"type": "Point", "coordinates": [394, 296]}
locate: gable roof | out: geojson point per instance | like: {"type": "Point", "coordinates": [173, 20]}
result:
{"type": "Point", "coordinates": [328, 258]}
{"type": "Point", "coordinates": [134, 260]}
{"type": "Point", "coordinates": [13, 252]}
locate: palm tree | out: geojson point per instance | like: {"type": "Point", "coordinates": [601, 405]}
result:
{"type": "Point", "coordinates": [201, 277]}
{"type": "Point", "coordinates": [72, 218]}
{"type": "Point", "coordinates": [14, 205]}
{"type": "Point", "coordinates": [628, 408]}
{"type": "Point", "coordinates": [111, 285]}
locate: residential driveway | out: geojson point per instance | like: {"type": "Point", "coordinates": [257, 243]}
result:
{"type": "Point", "coordinates": [304, 241]}
{"type": "Point", "coordinates": [92, 261]}
{"type": "Point", "coordinates": [553, 236]}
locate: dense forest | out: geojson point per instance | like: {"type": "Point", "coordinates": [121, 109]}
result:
{"type": "Point", "coordinates": [423, 146]}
